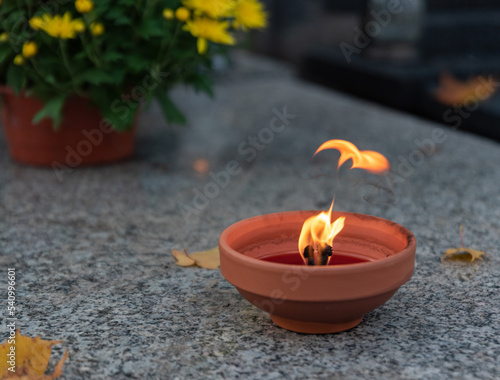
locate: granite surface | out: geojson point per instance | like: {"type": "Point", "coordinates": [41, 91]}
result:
{"type": "Point", "coordinates": [92, 257]}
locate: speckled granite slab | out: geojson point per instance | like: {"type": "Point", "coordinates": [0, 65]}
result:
{"type": "Point", "coordinates": [94, 268]}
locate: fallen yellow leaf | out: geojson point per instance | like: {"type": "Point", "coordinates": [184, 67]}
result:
{"type": "Point", "coordinates": [182, 258]}
{"type": "Point", "coordinates": [31, 358]}
{"type": "Point", "coordinates": [462, 253]}
{"type": "Point", "coordinates": [209, 259]}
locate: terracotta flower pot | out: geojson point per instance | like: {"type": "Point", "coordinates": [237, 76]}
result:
{"type": "Point", "coordinates": [376, 257]}
{"type": "Point", "coordinates": [83, 138]}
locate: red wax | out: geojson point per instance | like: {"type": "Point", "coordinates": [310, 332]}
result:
{"type": "Point", "coordinates": [295, 258]}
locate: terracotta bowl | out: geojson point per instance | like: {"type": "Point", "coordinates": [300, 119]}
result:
{"type": "Point", "coordinates": [376, 257]}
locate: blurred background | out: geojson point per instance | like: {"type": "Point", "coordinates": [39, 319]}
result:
{"type": "Point", "coordinates": [438, 59]}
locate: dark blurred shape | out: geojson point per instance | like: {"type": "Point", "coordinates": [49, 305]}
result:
{"type": "Point", "coordinates": [437, 5]}
{"type": "Point", "coordinates": [396, 55]}
{"type": "Point", "coordinates": [345, 6]}
{"type": "Point", "coordinates": [461, 32]}
{"type": "Point", "coordinates": [394, 51]}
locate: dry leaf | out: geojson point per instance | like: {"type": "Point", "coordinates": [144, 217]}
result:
{"type": "Point", "coordinates": [182, 258]}
{"type": "Point", "coordinates": [31, 358]}
{"type": "Point", "coordinates": [454, 92]}
{"type": "Point", "coordinates": [462, 253]}
{"type": "Point", "coordinates": [205, 259]}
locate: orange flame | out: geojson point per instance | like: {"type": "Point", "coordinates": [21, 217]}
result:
{"type": "Point", "coordinates": [319, 230]}
{"type": "Point", "coordinates": [369, 160]}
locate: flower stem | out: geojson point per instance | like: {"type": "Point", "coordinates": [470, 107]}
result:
{"type": "Point", "coordinates": [62, 47]}
{"type": "Point", "coordinates": [170, 46]}
{"type": "Point", "coordinates": [95, 52]}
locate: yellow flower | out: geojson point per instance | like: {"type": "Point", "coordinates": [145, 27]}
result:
{"type": "Point", "coordinates": [30, 48]}
{"type": "Point", "coordinates": [18, 60]}
{"type": "Point", "coordinates": [78, 25]}
{"type": "Point", "coordinates": [207, 29]}
{"type": "Point", "coordinates": [84, 6]}
{"type": "Point", "coordinates": [60, 26]}
{"type": "Point", "coordinates": [249, 14]}
{"type": "Point", "coordinates": [97, 28]}
{"type": "Point", "coordinates": [36, 22]}
{"type": "Point", "coordinates": [212, 8]}
{"type": "Point", "coordinates": [4, 36]}
{"type": "Point", "coordinates": [168, 14]}
{"type": "Point", "coordinates": [182, 14]}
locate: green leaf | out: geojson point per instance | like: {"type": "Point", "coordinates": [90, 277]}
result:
{"type": "Point", "coordinates": [51, 79]}
{"type": "Point", "coordinates": [137, 63]}
{"type": "Point", "coordinates": [118, 16]}
{"type": "Point", "coordinates": [202, 83]}
{"type": "Point", "coordinates": [118, 76]}
{"type": "Point", "coordinates": [170, 111]}
{"type": "Point", "coordinates": [16, 17]}
{"type": "Point", "coordinates": [16, 78]}
{"type": "Point", "coordinates": [5, 53]}
{"type": "Point", "coordinates": [149, 28]}
{"type": "Point", "coordinates": [8, 7]}
{"type": "Point", "coordinates": [80, 56]}
{"type": "Point", "coordinates": [185, 54]}
{"type": "Point", "coordinates": [127, 3]}
{"type": "Point", "coordinates": [52, 109]}
{"type": "Point", "coordinates": [95, 77]}
{"type": "Point", "coordinates": [120, 115]}
{"type": "Point", "coordinates": [120, 122]}
{"type": "Point", "coordinates": [112, 56]}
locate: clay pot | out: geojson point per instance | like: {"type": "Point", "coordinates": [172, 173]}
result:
{"type": "Point", "coordinates": [317, 299]}
{"type": "Point", "coordinates": [83, 138]}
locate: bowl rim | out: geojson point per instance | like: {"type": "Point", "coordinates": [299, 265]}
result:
{"type": "Point", "coordinates": [404, 254]}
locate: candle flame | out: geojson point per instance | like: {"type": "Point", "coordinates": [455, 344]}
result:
{"type": "Point", "coordinates": [319, 230]}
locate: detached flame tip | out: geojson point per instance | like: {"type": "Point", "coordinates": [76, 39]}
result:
{"type": "Point", "coordinates": [369, 160]}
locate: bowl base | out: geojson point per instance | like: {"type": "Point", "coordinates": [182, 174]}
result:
{"type": "Point", "coordinates": [314, 327]}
